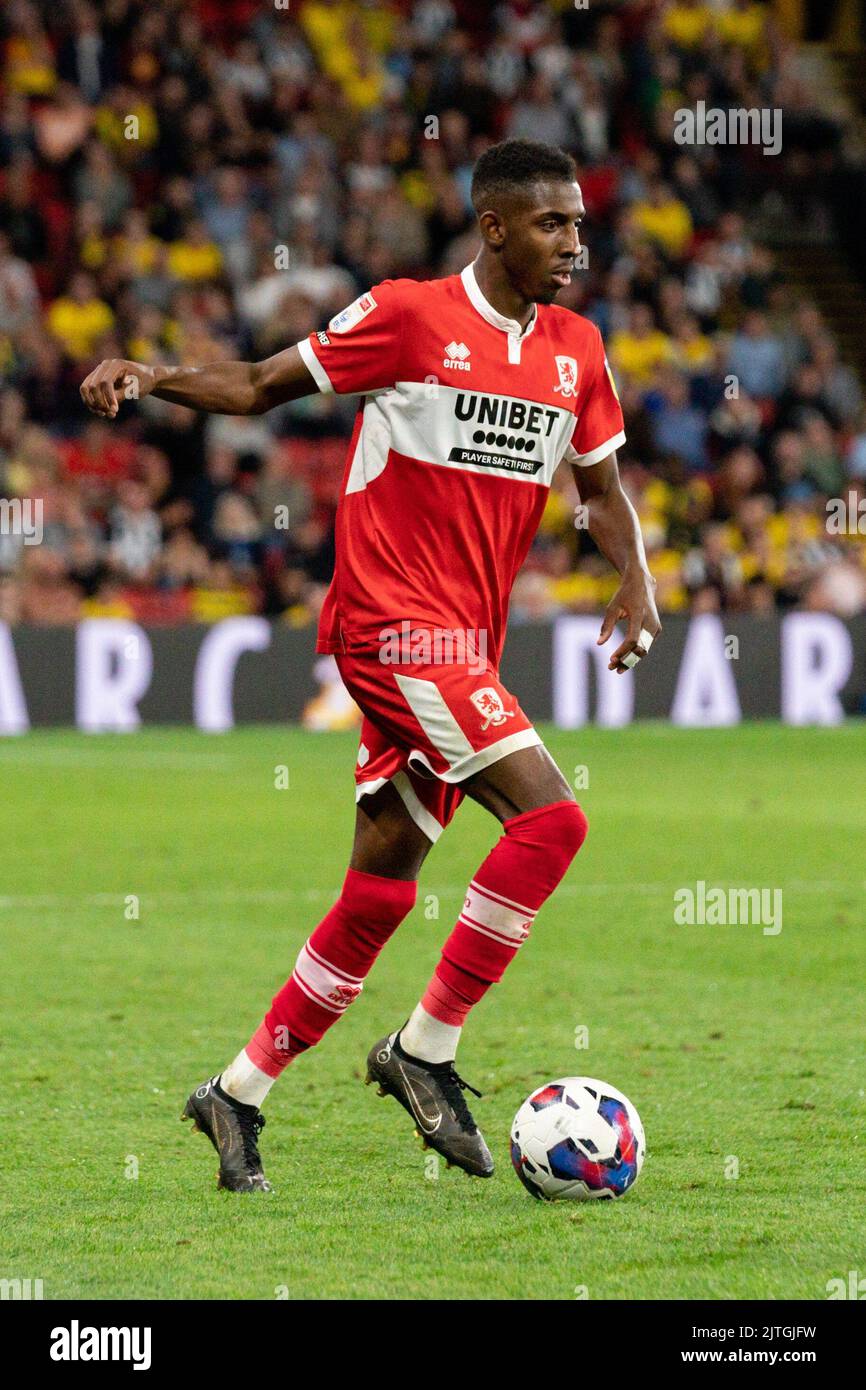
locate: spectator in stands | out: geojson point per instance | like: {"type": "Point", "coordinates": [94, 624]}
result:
{"type": "Point", "coordinates": [204, 181]}
{"type": "Point", "coordinates": [756, 358]}
{"type": "Point", "coordinates": [678, 427]}
{"type": "Point", "coordinates": [19, 296]}
{"type": "Point", "coordinates": [664, 218]}
{"type": "Point", "coordinates": [79, 319]}
{"type": "Point", "coordinates": [641, 348]}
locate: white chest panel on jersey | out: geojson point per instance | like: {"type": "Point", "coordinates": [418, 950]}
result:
{"type": "Point", "coordinates": [456, 427]}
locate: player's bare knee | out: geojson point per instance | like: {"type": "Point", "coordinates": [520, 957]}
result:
{"type": "Point", "coordinates": [387, 840]}
{"type": "Point", "coordinates": [525, 780]}
{"type": "Point", "coordinates": [410, 849]}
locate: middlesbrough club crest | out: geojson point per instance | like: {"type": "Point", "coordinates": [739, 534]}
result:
{"type": "Point", "coordinates": [488, 703]}
{"type": "Point", "coordinates": [567, 369]}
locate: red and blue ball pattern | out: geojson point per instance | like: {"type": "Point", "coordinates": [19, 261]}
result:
{"type": "Point", "coordinates": [614, 1174]}
{"type": "Point", "coordinates": [556, 1157]}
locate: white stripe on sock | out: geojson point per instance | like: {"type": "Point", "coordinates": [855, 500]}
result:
{"type": "Point", "coordinates": [486, 914]}
{"type": "Point", "coordinates": [325, 984]}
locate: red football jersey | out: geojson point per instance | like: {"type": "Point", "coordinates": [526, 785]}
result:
{"type": "Point", "coordinates": [464, 420]}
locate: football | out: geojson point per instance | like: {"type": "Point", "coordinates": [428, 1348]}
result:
{"type": "Point", "coordinates": [577, 1138]}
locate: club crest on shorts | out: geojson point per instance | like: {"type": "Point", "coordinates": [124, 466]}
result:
{"type": "Point", "coordinates": [567, 368]}
{"type": "Point", "coordinates": [488, 703]}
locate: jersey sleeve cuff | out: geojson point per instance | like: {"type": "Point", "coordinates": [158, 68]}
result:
{"type": "Point", "coordinates": [596, 455]}
{"type": "Point", "coordinates": [316, 370]}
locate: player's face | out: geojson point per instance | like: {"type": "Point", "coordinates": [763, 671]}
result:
{"type": "Point", "coordinates": [541, 241]}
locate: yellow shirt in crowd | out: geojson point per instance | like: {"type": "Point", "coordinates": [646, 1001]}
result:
{"type": "Point", "coordinates": [639, 357]}
{"type": "Point", "coordinates": [670, 225]}
{"type": "Point", "coordinates": [332, 31]}
{"type": "Point", "coordinates": [78, 327]}
{"type": "Point", "coordinates": [189, 262]}
{"type": "Point", "coordinates": [686, 25]}
{"type": "Point", "coordinates": [745, 28]}
{"type": "Point", "coordinates": [122, 134]}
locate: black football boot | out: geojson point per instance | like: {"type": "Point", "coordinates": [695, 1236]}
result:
{"type": "Point", "coordinates": [433, 1095]}
{"type": "Point", "coordinates": [233, 1129]}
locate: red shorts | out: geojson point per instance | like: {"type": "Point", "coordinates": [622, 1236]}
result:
{"type": "Point", "coordinates": [428, 728]}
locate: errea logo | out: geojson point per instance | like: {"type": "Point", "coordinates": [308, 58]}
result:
{"type": "Point", "coordinates": [455, 356]}
{"type": "Point", "coordinates": [344, 994]}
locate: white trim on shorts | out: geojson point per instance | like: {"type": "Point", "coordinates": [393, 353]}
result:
{"type": "Point", "coordinates": [427, 703]}
{"type": "Point", "coordinates": [424, 819]}
{"type": "Point", "coordinates": [483, 757]}
{"type": "Point", "coordinates": [368, 788]}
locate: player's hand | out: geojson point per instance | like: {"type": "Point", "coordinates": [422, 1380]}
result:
{"type": "Point", "coordinates": [635, 601]}
{"type": "Point", "coordinates": [114, 381]}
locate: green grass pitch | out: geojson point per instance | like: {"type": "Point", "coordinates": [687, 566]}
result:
{"type": "Point", "coordinates": [743, 1052]}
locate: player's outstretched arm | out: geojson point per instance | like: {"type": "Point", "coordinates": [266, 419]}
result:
{"type": "Point", "coordinates": [614, 526]}
{"type": "Point", "coordinates": [223, 388]}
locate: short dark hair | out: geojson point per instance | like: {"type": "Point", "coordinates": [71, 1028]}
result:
{"type": "Point", "coordinates": [514, 165]}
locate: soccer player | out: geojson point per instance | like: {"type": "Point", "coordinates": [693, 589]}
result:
{"type": "Point", "coordinates": [475, 387]}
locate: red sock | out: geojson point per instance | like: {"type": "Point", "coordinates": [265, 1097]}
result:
{"type": "Point", "coordinates": [331, 968]}
{"type": "Point", "coordinates": [518, 875]}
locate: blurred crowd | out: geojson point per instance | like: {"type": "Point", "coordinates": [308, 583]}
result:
{"type": "Point", "coordinates": [195, 180]}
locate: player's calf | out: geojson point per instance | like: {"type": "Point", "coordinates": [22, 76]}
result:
{"type": "Point", "coordinates": [331, 967]}
{"type": "Point", "coordinates": [416, 1066]}
{"type": "Point", "coordinates": [516, 878]}
{"type": "Point", "coordinates": [328, 976]}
